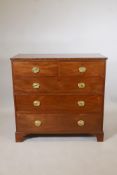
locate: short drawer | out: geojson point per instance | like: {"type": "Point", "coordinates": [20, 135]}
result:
{"type": "Point", "coordinates": [58, 103]}
{"type": "Point", "coordinates": [83, 68]}
{"type": "Point", "coordinates": [82, 85]}
{"type": "Point", "coordinates": [34, 68]}
{"type": "Point", "coordinates": [92, 85]}
{"type": "Point", "coordinates": [59, 123]}
{"type": "Point", "coordinates": [38, 85]}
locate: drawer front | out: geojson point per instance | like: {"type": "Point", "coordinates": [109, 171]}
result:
{"type": "Point", "coordinates": [58, 103]}
{"type": "Point", "coordinates": [34, 68]}
{"type": "Point", "coordinates": [89, 68]}
{"type": "Point", "coordinates": [42, 84]}
{"type": "Point", "coordinates": [86, 85]}
{"type": "Point", "coordinates": [66, 85]}
{"type": "Point", "coordinates": [54, 123]}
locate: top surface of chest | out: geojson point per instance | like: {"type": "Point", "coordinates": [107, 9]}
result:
{"type": "Point", "coordinates": [57, 57]}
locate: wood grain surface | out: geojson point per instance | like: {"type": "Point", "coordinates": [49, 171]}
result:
{"type": "Point", "coordinates": [58, 94]}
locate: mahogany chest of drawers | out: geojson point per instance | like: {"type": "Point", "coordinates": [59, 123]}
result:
{"type": "Point", "coordinates": [59, 94]}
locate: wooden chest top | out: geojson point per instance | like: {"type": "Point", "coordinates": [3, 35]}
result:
{"type": "Point", "coordinates": [69, 57]}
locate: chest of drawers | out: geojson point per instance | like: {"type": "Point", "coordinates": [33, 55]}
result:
{"type": "Point", "coordinates": [59, 94]}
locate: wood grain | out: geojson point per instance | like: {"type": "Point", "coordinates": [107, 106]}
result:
{"type": "Point", "coordinates": [58, 103]}
{"type": "Point", "coordinates": [67, 57]}
{"type": "Point", "coordinates": [58, 94]}
{"type": "Point", "coordinates": [23, 69]}
{"type": "Point", "coordinates": [94, 68]}
{"type": "Point", "coordinates": [58, 123]}
{"type": "Point", "coordinates": [65, 85]}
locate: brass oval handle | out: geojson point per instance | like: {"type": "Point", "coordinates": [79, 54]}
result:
{"type": "Point", "coordinates": [81, 122]}
{"type": "Point", "coordinates": [36, 103]}
{"type": "Point", "coordinates": [82, 69]}
{"type": "Point", "coordinates": [36, 85]}
{"type": "Point", "coordinates": [35, 70]}
{"type": "Point", "coordinates": [81, 85]}
{"type": "Point", "coordinates": [81, 103]}
{"type": "Point", "coordinates": [37, 123]}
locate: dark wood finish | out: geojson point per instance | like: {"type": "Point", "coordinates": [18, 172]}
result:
{"type": "Point", "coordinates": [58, 94]}
{"type": "Point", "coordinates": [52, 85]}
{"type": "Point", "coordinates": [93, 68]}
{"type": "Point", "coordinates": [25, 68]}
{"type": "Point", "coordinates": [100, 137]}
{"type": "Point", "coordinates": [58, 123]}
{"type": "Point", "coordinates": [19, 136]}
{"type": "Point", "coordinates": [58, 103]}
{"type": "Point", "coordinates": [61, 57]}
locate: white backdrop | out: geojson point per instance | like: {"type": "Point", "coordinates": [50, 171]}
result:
{"type": "Point", "coordinates": [57, 26]}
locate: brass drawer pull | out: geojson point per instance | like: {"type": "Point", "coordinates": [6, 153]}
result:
{"type": "Point", "coordinates": [81, 85]}
{"type": "Point", "coordinates": [36, 103]}
{"type": "Point", "coordinates": [80, 122]}
{"type": "Point", "coordinates": [36, 85]}
{"type": "Point", "coordinates": [37, 123]}
{"type": "Point", "coordinates": [35, 70]}
{"type": "Point", "coordinates": [82, 69]}
{"type": "Point", "coordinates": [81, 103]}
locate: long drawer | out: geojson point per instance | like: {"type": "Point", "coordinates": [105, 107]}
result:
{"type": "Point", "coordinates": [58, 103]}
{"type": "Point", "coordinates": [59, 123]}
{"type": "Point", "coordinates": [92, 85]}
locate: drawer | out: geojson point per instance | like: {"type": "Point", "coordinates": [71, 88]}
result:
{"type": "Point", "coordinates": [34, 68]}
{"type": "Point", "coordinates": [83, 68]}
{"type": "Point", "coordinates": [42, 84]}
{"type": "Point", "coordinates": [58, 103]}
{"type": "Point", "coordinates": [67, 85]}
{"type": "Point", "coordinates": [59, 123]}
{"type": "Point", "coordinates": [82, 86]}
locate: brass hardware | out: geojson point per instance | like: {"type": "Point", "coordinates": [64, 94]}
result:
{"type": "Point", "coordinates": [37, 123]}
{"type": "Point", "coordinates": [81, 103]}
{"type": "Point", "coordinates": [35, 70]}
{"type": "Point", "coordinates": [80, 123]}
{"type": "Point", "coordinates": [36, 103]}
{"type": "Point", "coordinates": [81, 85]}
{"type": "Point", "coordinates": [35, 85]}
{"type": "Point", "coordinates": [82, 69]}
